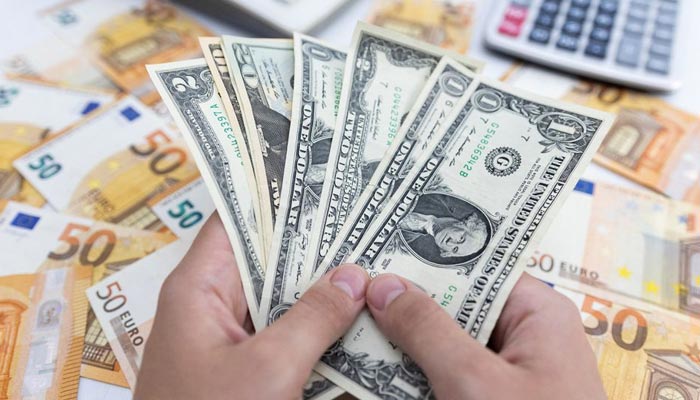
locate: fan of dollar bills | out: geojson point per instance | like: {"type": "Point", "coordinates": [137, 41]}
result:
{"type": "Point", "coordinates": [394, 155]}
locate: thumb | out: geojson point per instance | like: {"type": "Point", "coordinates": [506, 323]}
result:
{"type": "Point", "coordinates": [450, 358]}
{"type": "Point", "coordinates": [320, 317]}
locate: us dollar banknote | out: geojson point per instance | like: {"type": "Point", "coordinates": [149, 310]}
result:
{"type": "Point", "coordinates": [263, 71]}
{"type": "Point", "coordinates": [317, 87]}
{"type": "Point", "coordinates": [446, 92]}
{"type": "Point", "coordinates": [461, 224]}
{"type": "Point", "coordinates": [188, 90]}
{"type": "Point", "coordinates": [386, 72]}
{"type": "Point", "coordinates": [212, 48]}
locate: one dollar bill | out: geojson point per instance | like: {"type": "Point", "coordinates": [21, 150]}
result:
{"type": "Point", "coordinates": [446, 92]}
{"type": "Point", "coordinates": [319, 72]}
{"type": "Point", "coordinates": [462, 221]}
{"type": "Point", "coordinates": [385, 73]}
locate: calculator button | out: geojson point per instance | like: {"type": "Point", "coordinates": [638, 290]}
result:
{"type": "Point", "coordinates": [604, 20]}
{"type": "Point", "coordinates": [572, 28]}
{"type": "Point", "coordinates": [658, 64]}
{"type": "Point", "coordinates": [600, 34]}
{"type": "Point", "coordinates": [581, 3]}
{"type": "Point", "coordinates": [608, 6]}
{"type": "Point", "coordinates": [545, 20]}
{"type": "Point", "coordinates": [634, 27]}
{"type": "Point", "coordinates": [509, 28]}
{"type": "Point", "coordinates": [550, 7]}
{"type": "Point", "coordinates": [641, 6]}
{"type": "Point", "coordinates": [576, 14]}
{"type": "Point", "coordinates": [567, 42]}
{"type": "Point", "coordinates": [540, 35]}
{"type": "Point", "coordinates": [628, 52]}
{"type": "Point", "coordinates": [638, 13]}
{"type": "Point", "coordinates": [663, 34]}
{"type": "Point", "coordinates": [660, 49]}
{"type": "Point", "coordinates": [596, 49]}
{"type": "Point", "coordinates": [515, 14]}
{"type": "Point", "coordinates": [667, 20]}
{"type": "Point", "coordinates": [668, 7]}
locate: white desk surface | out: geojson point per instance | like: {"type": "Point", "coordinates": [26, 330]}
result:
{"type": "Point", "coordinates": [22, 26]}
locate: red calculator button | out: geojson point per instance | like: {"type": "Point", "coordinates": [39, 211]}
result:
{"type": "Point", "coordinates": [509, 28]}
{"type": "Point", "coordinates": [515, 14]}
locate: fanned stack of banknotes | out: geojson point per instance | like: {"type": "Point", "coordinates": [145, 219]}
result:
{"type": "Point", "coordinates": [392, 154]}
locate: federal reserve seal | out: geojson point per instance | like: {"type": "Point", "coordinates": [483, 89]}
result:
{"type": "Point", "coordinates": [502, 161]}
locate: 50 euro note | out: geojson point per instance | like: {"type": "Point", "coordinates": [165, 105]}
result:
{"type": "Point", "coordinates": [124, 304]}
{"type": "Point", "coordinates": [461, 223]}
{"type": "Point", "coordinates": [39, 240]}
{"type": "Point", "coordinates": [638, 244]}
{"type": "Point", "coordinates": [133, 156]}
{"type": "Point", "coordinates": [52, 61]}
{"type": "Point", "coordinates": [643, 351]}
{"type": "Point", "coordinates": [42, 328]}
{"type": "Point", "coordinates": [121, 37]}
{"type": "Point", "coordinates": [652, 142]}
{"type": "Point", "coordinates": [444, 23]}
{"type": "Point", "coordinates": [29, 113]}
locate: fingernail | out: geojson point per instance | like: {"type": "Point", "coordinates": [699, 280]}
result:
{"type": "Point", "coordinates": [351, 280]}
{"type": "Point", "coordinates": [383, 290]}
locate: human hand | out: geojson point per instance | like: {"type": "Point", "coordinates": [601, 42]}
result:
{"type": "Point", "coordinates": [540, 350]}
{"type": "Point", "coordinates": [202, 348]}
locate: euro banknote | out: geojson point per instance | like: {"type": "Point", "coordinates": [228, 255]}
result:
{"type": "Point", "coordinates": [635, 243]}
{"type": "Point", "coordinates": [120, 37]}
{"type": "Point", "coordinates": [444, 23]}
{"type": "Point", "coordinates": [115, 179]}
{"type": "Point", "coordinates": [22, 127]}
{"type": "Point", "coordinates": [643, 351]}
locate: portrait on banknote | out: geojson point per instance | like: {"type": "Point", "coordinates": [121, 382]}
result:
{"type": "Point", "coordinates": [445, 230]}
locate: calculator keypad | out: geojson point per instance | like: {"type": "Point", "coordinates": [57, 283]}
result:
{"type": "Point", "coordinates": [636, 34]}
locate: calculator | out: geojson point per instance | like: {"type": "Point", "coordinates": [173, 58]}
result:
{"type": "Point", "coordinates": [628, 42]}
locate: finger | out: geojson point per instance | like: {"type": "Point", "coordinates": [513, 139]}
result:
{"type": "Point", "coordinates": [417, 324]}
{"type": "Point", "coordinates": [321, 316]}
